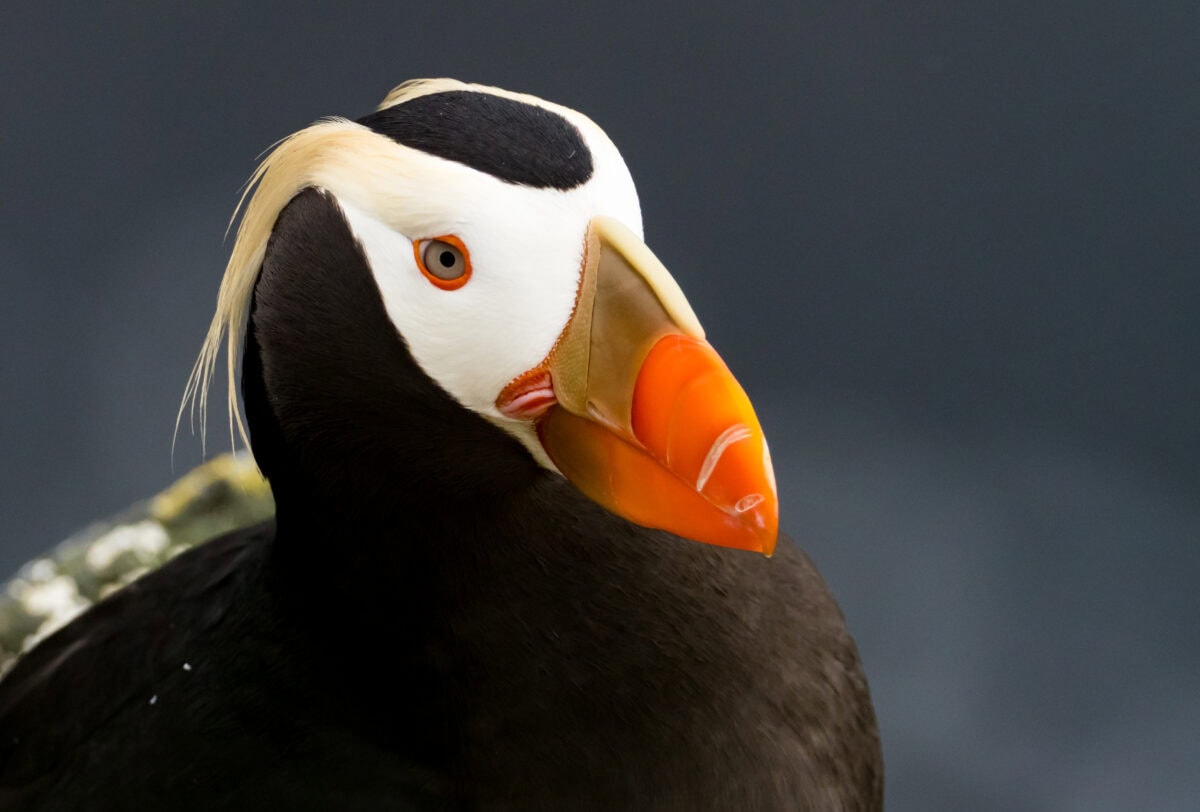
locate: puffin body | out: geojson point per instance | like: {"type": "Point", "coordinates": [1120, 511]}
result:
{"type": "Point", "coordinates": [487, 415]}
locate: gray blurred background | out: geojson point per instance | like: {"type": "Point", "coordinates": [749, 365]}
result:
{"type": "Point", "coordinates": [949, 247]}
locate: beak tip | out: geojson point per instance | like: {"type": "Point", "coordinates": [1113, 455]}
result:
{"type": "Point", "coordinates": [753, 527]}
{"type": "Point", "coordinates": [769, 534]}
{"type": "Point", "coordinates": [769, 541]}
{"type": "Point", "coordinates": [766, 518]}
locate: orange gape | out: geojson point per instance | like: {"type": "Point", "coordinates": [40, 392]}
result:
{"type": "Point", "coordinates": [702, 470]}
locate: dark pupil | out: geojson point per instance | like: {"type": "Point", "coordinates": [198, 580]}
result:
{"type": "Point", "coordinates": [447, 259]}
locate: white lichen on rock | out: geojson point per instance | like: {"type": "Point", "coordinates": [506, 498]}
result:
{"type": "Point", "coordinates": [142, 543]}
{"type": "Point", "coordinates": [54, 600]}
{"type": "Point", "coordinates": [43, 569]}
{"type": "Point", "coordinates": [54, 596]}
{"type": "Point", "coordinates": [219, 496]}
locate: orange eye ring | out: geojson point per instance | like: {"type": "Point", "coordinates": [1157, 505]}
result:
{"type": "Point", "coordinates": [441, 281]}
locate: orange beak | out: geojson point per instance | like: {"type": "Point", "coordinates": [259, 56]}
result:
{"type": "Point", "coordinates": [639, 412]}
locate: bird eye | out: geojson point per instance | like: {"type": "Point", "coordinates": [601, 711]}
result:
{"type": "Point", "coordinates": [444, 261]}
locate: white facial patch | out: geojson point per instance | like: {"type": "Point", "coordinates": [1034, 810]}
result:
{"type": "Point", "coordinates": [525, 246]}
{"type": "Point", "coordinates": [526, 252]}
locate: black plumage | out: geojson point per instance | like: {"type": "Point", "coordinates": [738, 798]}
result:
{"type": "Point", "coordinates": [512, 140]}
{"type": "Point", "coordinates": [433, 621]}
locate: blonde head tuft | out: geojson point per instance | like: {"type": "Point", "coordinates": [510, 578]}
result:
{"type": "Point", "coordinates": [347, 159]}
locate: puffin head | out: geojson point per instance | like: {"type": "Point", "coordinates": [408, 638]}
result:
{"type": "Point", "coordinates": [501, 238]}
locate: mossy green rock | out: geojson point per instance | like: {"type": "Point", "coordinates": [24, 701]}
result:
{"type": "Point", "coordinates": [222, 495]}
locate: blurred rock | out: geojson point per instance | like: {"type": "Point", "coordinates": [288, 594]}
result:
{"type": "Point", "coordinates": [222, 495]}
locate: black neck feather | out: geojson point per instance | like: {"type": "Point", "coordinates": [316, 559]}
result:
{"type": "Point", "coordinates": [342, 419]}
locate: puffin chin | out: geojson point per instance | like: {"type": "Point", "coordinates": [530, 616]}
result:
{"type": "Point", "coordinates": [640, 413]}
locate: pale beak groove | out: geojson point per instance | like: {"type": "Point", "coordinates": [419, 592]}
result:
{"type": "Point", "coordinates": [733, 434]}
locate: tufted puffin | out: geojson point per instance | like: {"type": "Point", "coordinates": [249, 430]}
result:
{"type": "Point", "coordinates": [524, 553]}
